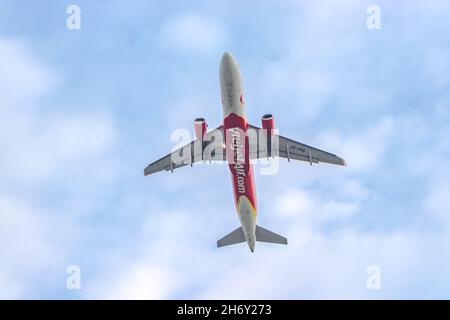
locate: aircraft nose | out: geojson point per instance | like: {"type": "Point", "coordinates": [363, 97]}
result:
{"type": "Point", "coordinates": [226, 56]}
{"type": "Point", "coordinates": [227, 60]}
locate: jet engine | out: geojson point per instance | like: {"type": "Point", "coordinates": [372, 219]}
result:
{"type": "Point", "coordinates": [200, 128]}
{"type": "Point", "coordinates": [268, 123]}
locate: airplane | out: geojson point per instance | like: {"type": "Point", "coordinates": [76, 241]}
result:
{"type": "Point", "coordinates": [237, 143]}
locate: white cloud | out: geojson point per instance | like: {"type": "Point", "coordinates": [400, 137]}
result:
{"type": "Point", "coordinates": [325, 266]}
{"type": "Point", "coordinates": [23, 78]}
{"type": "Point", "coordinates": [34, 144]}
{"type": "Point", "coordinates": [436, 203]}
{"type": "Point", "coordinates": [306, 89]}
{"type": "Point", "coordinates": [353, 189]}
{"type": "Point", "coordinates": [310, 208]}
{"type": "Point", "coordinates": [27, 244]}
{"type": "Point", "coordinates": [363, 148]}
{"type": "Point", "coordinates": [36, 147]}
{"type": "Point", "coordinates": [172, 260]}
{"type": "Point", "coordinates": [138, 281]}
{"type": "Point", "coordinates": [44, 147]}
{"type": "Point", "coordinates": [192, 34]}
{"type": "Point", "coordinates": [151, 270]}
{"type": "Point", "coordinates": [330, 263]}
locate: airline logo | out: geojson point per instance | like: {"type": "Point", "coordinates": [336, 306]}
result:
{"type": "Point", "coordinates": [237, 147]}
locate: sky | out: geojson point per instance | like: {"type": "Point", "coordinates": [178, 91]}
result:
{"type": "Point", "coordinates": [83, 111]}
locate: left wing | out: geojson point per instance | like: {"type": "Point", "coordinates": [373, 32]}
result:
{"type": "Point", "coordinates": [211, 148]}
{"type": "Point", "coordinates": [287, 148]}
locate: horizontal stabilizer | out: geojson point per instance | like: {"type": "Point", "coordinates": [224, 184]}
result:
{"type": "Point", "coordinates": [237, 236]}
{"type": "Point", "coordinates": [264, 235]}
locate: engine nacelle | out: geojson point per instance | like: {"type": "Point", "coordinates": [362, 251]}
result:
{"type": "Point", "coordinates": [200, 128]}
{"type": "Point", "coordinates": [268, 123]}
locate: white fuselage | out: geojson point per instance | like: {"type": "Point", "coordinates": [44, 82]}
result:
{"type": "Point", "coordinates": [235, 128]}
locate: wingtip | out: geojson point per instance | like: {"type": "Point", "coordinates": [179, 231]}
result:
{"type": "Point", "coordinates": [343, 162]}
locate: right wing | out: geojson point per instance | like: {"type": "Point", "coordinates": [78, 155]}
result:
{"type": "Point", "coordinates": [211, 148]}
{"type": "Point", "coordinates": [289, 149]}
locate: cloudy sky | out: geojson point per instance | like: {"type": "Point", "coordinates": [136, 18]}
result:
{"type": "Point", "coordinates": [82, 112]}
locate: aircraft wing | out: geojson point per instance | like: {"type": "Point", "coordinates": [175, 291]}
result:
{"type": "Point", "coordinates": [291, 149]}
{"type": "Point", "coordinates": [211, 149]}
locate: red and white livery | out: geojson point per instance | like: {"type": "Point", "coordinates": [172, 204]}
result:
{"type": "Point", "coordinates": [238, 143]}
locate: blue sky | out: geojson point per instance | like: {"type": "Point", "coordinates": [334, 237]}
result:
{"type": "Point", "coordinates": [82, 112]}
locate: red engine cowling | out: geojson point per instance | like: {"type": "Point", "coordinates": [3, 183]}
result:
{"type": "Point", "coordinates": [200, 128]}
{"type": "Point", "coordinates": [268, 123]}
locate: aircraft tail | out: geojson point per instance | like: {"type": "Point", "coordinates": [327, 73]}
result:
{"type": "Point", "coordinates": [262, 235]}
{"type": "Point", "coordinates": [237, 236]}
